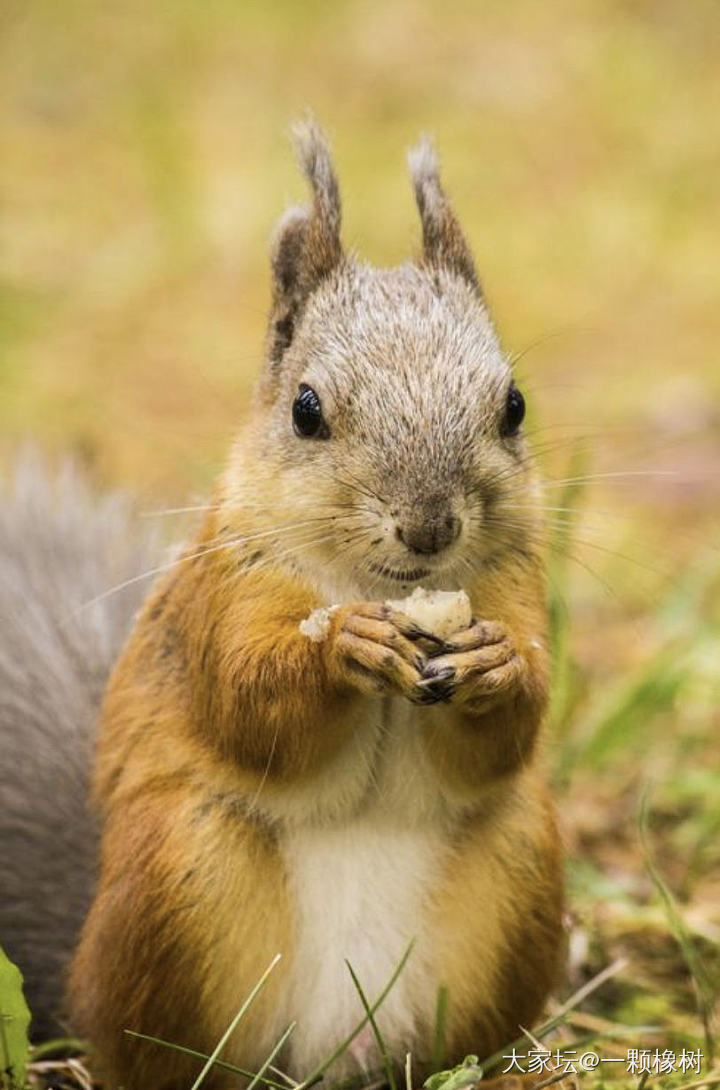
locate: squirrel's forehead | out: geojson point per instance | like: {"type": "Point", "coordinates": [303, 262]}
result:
{"type": "Point", "coordinates": [402, 323]}
{"type": "Point", "coordinates": [389, 336]}
{"type": "Point", "coordinates": [421, 392]}
{"type": "Point", "coordinates": [407, 356]}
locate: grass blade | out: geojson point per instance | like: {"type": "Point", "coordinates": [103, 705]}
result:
{"type": "Point", "coordinates": [204, 1056]}
{"type": "Point", "coordinates": [382, 1047]}
{"type": "Point", "coordinates": [234, 1024]}
{"type": "Point", "coordinates": [319, 1071]}
{"type": "Point", "coordinates": [562, 692]}
{"type": "Point", "coordinates": [559, 1017]}
{"type": "Point", "coordinates": [57, 1044]}
{"type": "Point", "coordinates": [711, 1079]}
{"type": "Point", "coordinates": [704, 993]}
{"type": "Point", "coordinates": [439, 1052]}
{"type": "Point", "coordinates": [276, 1048]}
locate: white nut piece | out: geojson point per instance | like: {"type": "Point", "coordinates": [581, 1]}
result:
{"type": "Point", "coordinates": [317, 625]}
{"type": "Point", "coordinates": [441, 612]}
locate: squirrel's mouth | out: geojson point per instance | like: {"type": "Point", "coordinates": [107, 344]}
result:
{"type": "Point", "coordinates": [410, 576]}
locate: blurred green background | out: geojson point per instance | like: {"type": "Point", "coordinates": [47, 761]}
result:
{"type": "Point", "coordinates": [145, 160]}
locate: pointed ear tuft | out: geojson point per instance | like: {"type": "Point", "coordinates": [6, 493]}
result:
{"type": "Point", "coordinates": [313, 153]}
{"type": "Point", "coordinates": [306, 246]}
{"type": "Point", "coordinates": [444, 244]}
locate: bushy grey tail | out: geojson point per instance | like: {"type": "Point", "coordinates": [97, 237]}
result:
{"type": "Point", "coordinates": [59, 548]}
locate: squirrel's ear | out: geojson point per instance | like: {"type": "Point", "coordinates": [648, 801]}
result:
{"type": "Point", "coordinates": [444, 243]}
{"type": "Point", "coordinates": [306, 247]}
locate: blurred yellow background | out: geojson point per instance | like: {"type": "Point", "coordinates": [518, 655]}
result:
{"type": "Point", "coordinates": [145, 160]}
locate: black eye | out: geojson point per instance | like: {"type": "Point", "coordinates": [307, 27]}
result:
{"type": "Point", "coordinates": [308, 420]}
{"type": "Point", "coordinates": [514, 410]}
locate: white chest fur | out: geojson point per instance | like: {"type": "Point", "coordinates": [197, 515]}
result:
{"type": "Point", "coordinates": [364, 844]}
{"type": "Point", "coordinates": [360, 891]}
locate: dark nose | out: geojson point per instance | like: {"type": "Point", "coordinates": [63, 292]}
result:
{"type": "Point", "coordinates": [432, 535]}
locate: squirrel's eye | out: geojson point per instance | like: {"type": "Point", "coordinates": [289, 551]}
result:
{"type": "Point", "coordinates": [308, 420]}
{"type": "Point", "coordinates": [514, 410]}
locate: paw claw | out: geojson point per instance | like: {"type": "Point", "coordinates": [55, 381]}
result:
{"type": "Point", "coordinates": [414, 632]}
{"type": "Point", "coordinates": [438, 682]}
{"type": "Point", "coordinates": [430, 692]}
{"type": "Point", "coordinates": [432, 673]}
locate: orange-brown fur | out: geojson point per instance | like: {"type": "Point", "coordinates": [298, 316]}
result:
{"type": "Point", "coordinates": [186, 873]}
{"type": "Point", "coordinates": [218, 726]}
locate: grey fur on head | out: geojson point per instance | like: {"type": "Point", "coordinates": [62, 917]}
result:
{"type": "Point", "coordinates": [307, 249]}
{"type": "Point", "coordinates": [59, 549]}
{"type": "Point", "coordinates": [413, 388]}
{"type": "Point", "coordinates": [444, 244]}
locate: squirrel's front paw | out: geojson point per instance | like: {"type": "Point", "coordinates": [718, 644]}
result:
{"type": "Point", "coordinates": [378, 650]}
{"type": "Point", "coordinates": [477, 668]}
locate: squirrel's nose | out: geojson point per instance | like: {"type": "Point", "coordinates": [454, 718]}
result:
{"type": "Point", "coordinates": [431, 535]}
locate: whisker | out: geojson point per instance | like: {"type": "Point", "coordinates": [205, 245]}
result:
{"type": "Point", "coordinates": [534, 538]}
{"type": "Point", "coordinates": [233, 541]}
{"type": "Point", "coordinates": [148, 574]}
{"type": "Point", "coordinates": [275, 558]}
{"type": "Point", "coordinates": [558, 482]}
{"type": "Point", "coordinates": [546, 507]}
{"type": "Point", "coordinates": [251, 506]}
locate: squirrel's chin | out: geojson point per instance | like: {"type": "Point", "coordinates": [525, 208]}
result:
{"type": "Point", "coordinates": [378, 579]}
{"type": "Point", "coordinates": [399, 573]}
{"type": "Point", "coordinates": [392, 578]}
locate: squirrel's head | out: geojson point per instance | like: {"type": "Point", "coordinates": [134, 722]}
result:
{"type": "Point", "coordinates": [387, 417]}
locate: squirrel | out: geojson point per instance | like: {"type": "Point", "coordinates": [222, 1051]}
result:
{"type": "Point", "coordinates": [260, 792]}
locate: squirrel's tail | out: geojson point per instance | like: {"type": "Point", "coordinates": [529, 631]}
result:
{"type": "Point", "coordinates": [61, 551]}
